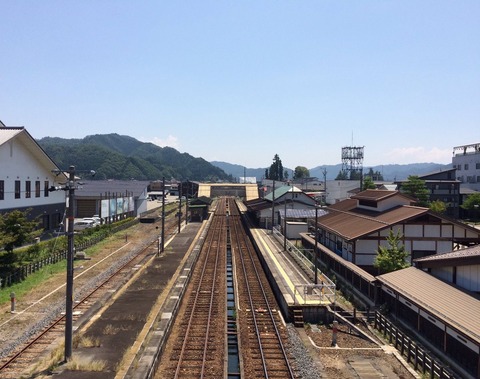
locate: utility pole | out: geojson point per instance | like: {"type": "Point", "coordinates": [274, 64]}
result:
{"type": "Point", "coordinates": [315, 251]}
{"type": "Point", "coordinates": [273, 204]}
{"type": "Point", "coordinates": [163, 216]}
{"type": "Point", "coordinates": [180, 207]}
{"type": "Point", "coordinates": [70, 252]}
{"type": "Point", "coordinates": [324, 172]}
{"type": "Point", "coordinates": [70, 187]}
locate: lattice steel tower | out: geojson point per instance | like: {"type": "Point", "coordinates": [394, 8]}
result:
{"type": "Point", "coordinates": [352, 161]}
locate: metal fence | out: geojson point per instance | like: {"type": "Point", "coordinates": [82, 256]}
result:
{"type": "Point", "coordinates": [22, 272]}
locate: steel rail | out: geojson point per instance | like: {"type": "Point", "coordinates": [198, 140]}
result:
{"type": "Point", "coordinates": [218, 228]}
{"type": "Point", "coordinates": [242, 237]}
{"type": "Point", "coordinates": [50, 328]}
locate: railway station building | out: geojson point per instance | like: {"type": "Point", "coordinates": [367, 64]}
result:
{"type": "Point", "coordinates": [263, 210]}
{"type": "Point", "coordinates": [26, 176]}
{"type": "Point", "coordinates": [355, 228]}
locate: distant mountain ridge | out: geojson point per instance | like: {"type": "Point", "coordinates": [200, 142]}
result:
{"type": "Point", "coordinates": [114, 156]}
{"type": "Point", "coordinates": [390, 172]}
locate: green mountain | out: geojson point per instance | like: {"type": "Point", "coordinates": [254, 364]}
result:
{"type": "Point", "coordinates": [113, 156]}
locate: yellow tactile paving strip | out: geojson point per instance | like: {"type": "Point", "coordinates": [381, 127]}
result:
{"type": "Point", "coordinates": [284, 275]}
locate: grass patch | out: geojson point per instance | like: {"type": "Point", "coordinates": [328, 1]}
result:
{"type": "Point", "coordinates": [32, 281]}
{"type": "Point", "coordinates": [78, 364]}
{"type": "Point", "coordinates": [85, 341]}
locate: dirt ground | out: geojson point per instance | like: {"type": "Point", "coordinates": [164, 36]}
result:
{"type": "Point", "coordinates": [353, 356]}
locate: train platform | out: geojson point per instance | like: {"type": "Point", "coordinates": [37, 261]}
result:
{"type": "Point", "coordinates": [132, 327]}
{"type": "Point", "coordinates": [293, 278]}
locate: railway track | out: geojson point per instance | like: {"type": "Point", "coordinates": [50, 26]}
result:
{"type": "Point", "coordinates": [200, 344]}
{"type": "Point", "coordinates": [263, 334]}
{"type": "Point", "coordinates": [101, 286]}
{"type": "Point", "coordinates": [198, 350]}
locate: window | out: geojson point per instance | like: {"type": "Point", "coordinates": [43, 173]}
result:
{"type": "Point", "coordinates": [46, 222]}
{"type": "Point", "coordinates": [28, 189]}
{"type": "Point", "coordinates": [2, 190]}
{"type": "Point", "coordinates": [37, 188]}
{"type": "Point", "coordinates": [477, 166]}
{"type": "Point", "coordinates": [45, 188]}
{"type": "Point", "coordinates": [465, 166]}
{"type": "Point", "coordinates": [17, 189]}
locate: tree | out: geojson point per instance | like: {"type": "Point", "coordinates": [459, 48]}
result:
{"type": "Point", "coordinates": [375, 175]}
{"type": "Point", "coordinates": [342, 175]}
{"type": "Point", "coordinates": [472, 203]}
{"type": "Point", "coordinates": [394, 256]}
{"type": "Point", "coordinates": [416, 188]}
{"type": "Point", "coordinates": [276, 169]}
{"type": "Point", "coordinates": [301, 173]}
{"type": "Point", "coordinates": [368, 183]}
{"type": "Point", "coordinates": [438, 206]}
{"type": "Point", "coordinates": [16, 230]}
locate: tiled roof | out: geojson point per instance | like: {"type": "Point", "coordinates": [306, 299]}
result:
{"type": "Point", "coordinates": [374, 194]}
{"type": "Point", "coordinates": [441, 299]}
{"type": "Point", "coordinates": [357, 222]}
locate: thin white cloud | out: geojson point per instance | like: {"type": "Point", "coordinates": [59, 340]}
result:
{"type": "Point", "coordinates": [170, 141]}
{"type": "Point", "coordinates": [419, 154]}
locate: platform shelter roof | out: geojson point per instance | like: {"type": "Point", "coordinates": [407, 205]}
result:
{"type": "Point", "coordinates": [444, 301]}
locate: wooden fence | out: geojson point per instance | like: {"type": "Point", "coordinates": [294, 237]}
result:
{"type": "Point", "coordinates": [414, 354]}
{"type": "Point", "coordinates": [22, 272]}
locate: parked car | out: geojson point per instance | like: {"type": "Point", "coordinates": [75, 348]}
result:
{"type": "Point", "coordinates": [98, 219]}
{"type": "Point", "coordinates": [79, 225]}
{"type": "Point", "coordinates": [94, 220]}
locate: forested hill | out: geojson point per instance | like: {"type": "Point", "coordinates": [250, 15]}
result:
{"type": "Point", "coordinates": [113, 156]}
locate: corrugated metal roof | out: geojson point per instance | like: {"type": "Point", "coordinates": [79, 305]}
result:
{"type": "Point", "coordinates": [464, 257]}
{"type": "Point", "coordinates": [301, 213]}
{"type": "Point", "coordinates": [442, 300]}
{"type": "Point", "coordinates": [468, 252]}
{"type": "Point", "coordinates": [98, 188]}
{"type": "Point", "coordinates": [279, 192]}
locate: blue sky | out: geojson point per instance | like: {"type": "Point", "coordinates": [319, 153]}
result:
{"type": "Point", "coordinates": [241, 81]}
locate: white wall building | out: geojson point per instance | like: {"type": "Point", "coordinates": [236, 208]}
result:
{"type": "Point", "coordinates": [466, 159]}
{"type": "Point", "coordinates": [26, 174]}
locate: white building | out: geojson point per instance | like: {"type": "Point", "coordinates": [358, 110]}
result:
{"type": "Point", "coordinates": [355, 228]}
{"type": "Point", "coordinates": [466, 159]}
{"type": "Point", "coordinates": [26, 174]}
